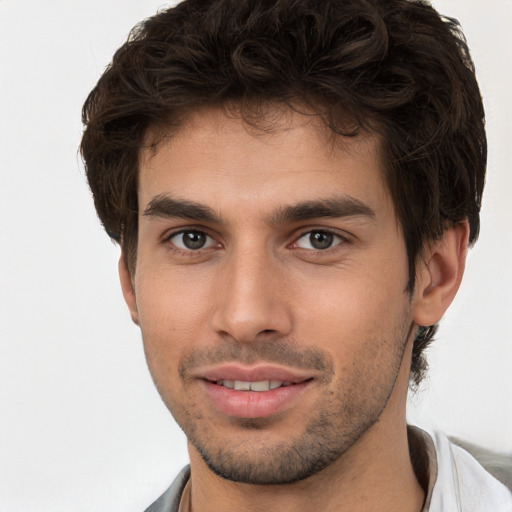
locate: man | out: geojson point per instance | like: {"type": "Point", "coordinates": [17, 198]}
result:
{"type": "Point", "coordinates": [294, 185]}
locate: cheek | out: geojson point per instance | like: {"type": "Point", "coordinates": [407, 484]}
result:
{"type": "Point", "coordinates": [355, 303]}
{"type": "Point", "coordinates": [171, 297]}
{"type": "Point", "coordinates": [173, 314]}
{"type": "Point", "coordinates": [354, 323]}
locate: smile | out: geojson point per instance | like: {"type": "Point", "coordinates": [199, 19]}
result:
{"type": "Point", "coordinates": [254, 398]}
{"type": "Point", "coordinates": [264, 385]}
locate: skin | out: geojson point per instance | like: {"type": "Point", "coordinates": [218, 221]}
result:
{"type": "Point", "coordinates": [256, 291]}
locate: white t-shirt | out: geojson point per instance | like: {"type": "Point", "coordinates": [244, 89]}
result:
{"type": "Point", "coordinates": [459, 483]}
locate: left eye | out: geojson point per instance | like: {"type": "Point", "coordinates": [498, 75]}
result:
{"type": "Point", "coordinates": [192, 240]}
{"type": "Point", "coordinates": [318, 240]}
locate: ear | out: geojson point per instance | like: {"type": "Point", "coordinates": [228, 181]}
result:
{"type": "Point", "coordinates": [439, 274]}
{"type": "Point", "coordinates": [128, 290]}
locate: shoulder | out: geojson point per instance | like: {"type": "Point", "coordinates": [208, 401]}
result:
{"type": "Point", "coordinates": [463, 483]}
{"type": "Point", "coordinates": [170, 499]}
{"type": "Point", "coordinates": [497, 464]}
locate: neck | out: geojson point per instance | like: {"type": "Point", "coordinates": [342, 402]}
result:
{"type": "Point", "coordinates": [353, 483]}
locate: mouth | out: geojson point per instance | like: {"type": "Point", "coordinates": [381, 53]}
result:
{"type": "Point", "coordinates": [254, 392]}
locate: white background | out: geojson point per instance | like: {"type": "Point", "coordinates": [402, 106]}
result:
{"type": "Point", "coordinates": [81, 427]}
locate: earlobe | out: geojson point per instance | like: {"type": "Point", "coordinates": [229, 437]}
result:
{"type": "Point", "coordinates": [439, 274]}
{"type": "Point", "coordinates": [127, 288]}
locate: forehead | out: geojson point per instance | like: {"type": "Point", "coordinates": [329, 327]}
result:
{"type": "Point", "coordinates": [216, 155]}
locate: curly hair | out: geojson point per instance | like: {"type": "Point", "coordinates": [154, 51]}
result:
{"type": "Point", "coordinates": [395, 68]}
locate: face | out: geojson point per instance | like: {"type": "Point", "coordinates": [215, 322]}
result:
{"type": "Point", "coordinates": [270, 290]}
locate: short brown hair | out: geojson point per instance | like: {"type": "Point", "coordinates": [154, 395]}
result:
{"type": "Point", "coordinates": [392, 67]}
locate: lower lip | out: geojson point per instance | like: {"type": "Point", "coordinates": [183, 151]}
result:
{"type": "Point", "coordinates": [253, 404]}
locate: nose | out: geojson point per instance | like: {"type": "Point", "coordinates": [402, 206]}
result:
{"type": "Point", "coordinates": [252, 298]}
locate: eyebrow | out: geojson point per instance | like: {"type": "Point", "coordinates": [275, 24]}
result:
{"type": "Point", "coordinates": [168, 207]}
{"type": "Point", "coordinates": [334, 207]}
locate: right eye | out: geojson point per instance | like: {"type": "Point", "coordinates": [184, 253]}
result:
{"type": "Point", "coordinates": [192, 240]}
{"type": "Point", "coordinates": [318, 240]}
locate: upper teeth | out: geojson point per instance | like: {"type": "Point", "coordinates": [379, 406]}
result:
{"type": "Point", "coordinates": [263, 385]}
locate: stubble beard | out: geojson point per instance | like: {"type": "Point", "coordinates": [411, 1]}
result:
{"type": "Point", "coordinates": [341, 419]}
{"type": "Point", "coordinates": [281, 463]}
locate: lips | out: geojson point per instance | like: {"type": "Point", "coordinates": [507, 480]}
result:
{"type": "Point", "coordinates": [258, 373]}
{"type": "Point", "coordinates": [255, 392]}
